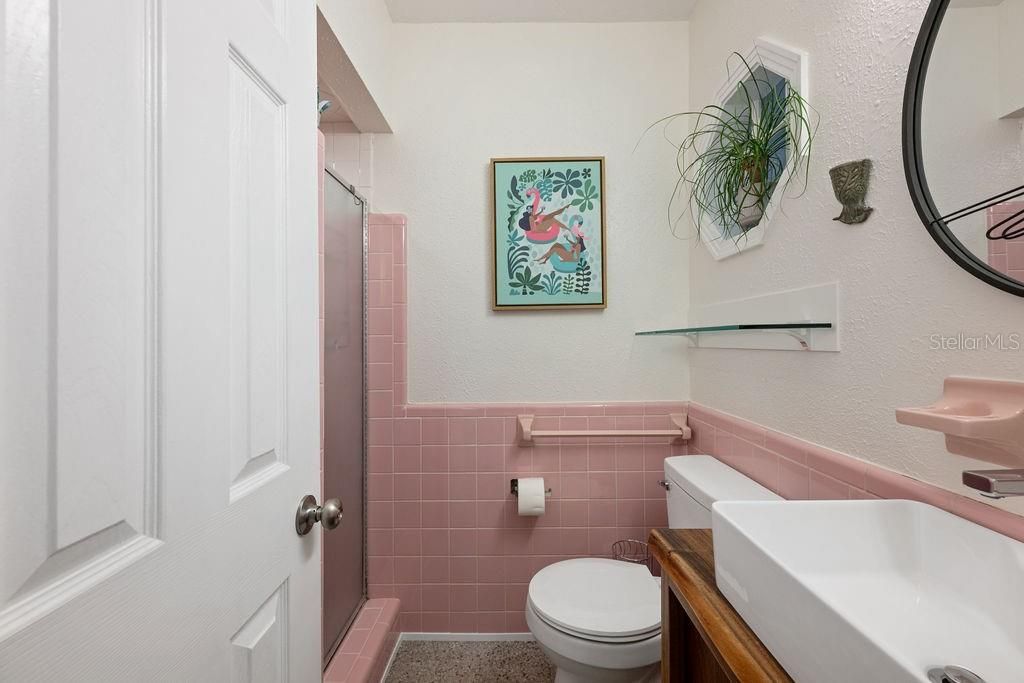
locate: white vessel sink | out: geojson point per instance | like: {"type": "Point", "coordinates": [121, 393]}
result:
{"type": "Point", "coordinates": [873, 590]}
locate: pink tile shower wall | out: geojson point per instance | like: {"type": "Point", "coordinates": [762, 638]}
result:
{"type": "Point", "coordinates": [444, 535]}
{"type": "Point", "coordinates": [800, 470]}
{"type": "Point", "coordinates": [1006, 256]}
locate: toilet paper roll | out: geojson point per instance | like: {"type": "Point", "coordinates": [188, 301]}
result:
{"type": "Point", "coordinates": [531, 497]}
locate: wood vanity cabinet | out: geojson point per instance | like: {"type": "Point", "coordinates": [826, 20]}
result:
{"type": "Point", "coordinates": [703, 639]}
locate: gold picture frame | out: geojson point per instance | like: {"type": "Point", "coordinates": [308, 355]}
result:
{"type": "Point", "coordinates": [549, 250]}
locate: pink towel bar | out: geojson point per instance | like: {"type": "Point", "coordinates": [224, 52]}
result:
{"type": "Point", "coordinates": [527, 433]}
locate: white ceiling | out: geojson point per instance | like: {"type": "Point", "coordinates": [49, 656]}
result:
{"type": "Point", "coordinates": [487, 11]}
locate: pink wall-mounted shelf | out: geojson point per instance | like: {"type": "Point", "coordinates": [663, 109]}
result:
{"type": "Point", "coordinates": [527, 433]}
{"type": "Point", "coordinates": [981, 418]}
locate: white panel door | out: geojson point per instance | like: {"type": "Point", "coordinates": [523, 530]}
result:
{"type": "Point", "coordinates": [158, 365]}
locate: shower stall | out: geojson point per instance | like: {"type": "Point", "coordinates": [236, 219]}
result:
{"type": "Point", "coordinates": [344, 405]}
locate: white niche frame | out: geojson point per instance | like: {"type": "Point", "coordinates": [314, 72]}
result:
{"type": "Point", "coordinates": [791, 64]}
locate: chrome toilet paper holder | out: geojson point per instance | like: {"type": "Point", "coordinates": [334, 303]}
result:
{"type": "Point", "coordinates": [515, 489]}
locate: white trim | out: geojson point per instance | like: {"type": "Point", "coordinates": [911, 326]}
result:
{"type": "Point", "coordinates": [791, 64]}
{"type": "Point", "coordinates": [469, 637]}
{"type": "Point", "coordinates": [391, 658]}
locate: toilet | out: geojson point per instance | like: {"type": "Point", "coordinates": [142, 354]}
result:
{"type": "Point", "coordinates": [599, 619]}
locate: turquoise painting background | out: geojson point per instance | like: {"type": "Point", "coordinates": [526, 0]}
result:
{"type": "Point", "coordinates": [548, 233]}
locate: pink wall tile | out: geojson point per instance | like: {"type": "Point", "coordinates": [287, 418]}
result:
{"type": "Point", "coordinates": [573, 459]}
{"type": "Point", "coordinates": [435, 486]}
{"type": "Point", "coordinates": [601, 513]}
{"type": "Point", "coordinates": [806, 470]}
{"type": "Point", "coordinates": [794, 480]}
{"type": "Point", "coordinates": [407, 431]}
{"type": "Point", "coordinates": [379, 267]}
{"type": "Point", "coordinates": [575, 485]}
{"type": "Point", "coordinates": [435, 514]}
{"type": "Point", "coordinates": [1004, 255]}
{"type": "Point", "coordinates": [463, 622]}
{"type": "Point", "coordinates": [490, 622]}
{"type": "Point", "coordinates": [824, 487]}
{"type": "Point", "coordinates": [408, 458]}
{"type": "Point", "coordinates": [407, 487]}
{"type": "Point", "coordinates": [464, 571]}
{"type": "Point", "coordinates": [462, 486]}
{"type": "Point", "coordinates": [629, 485]}
{"type": "Point", "coordinates": [380, 403]}
{"type": "Point", "coordinates": [838, 466]}
{"type": "Point", "coordinates": [601, 457]}
{"type": "Point", "coordinates": [601, 485]}
{"type": "Point", "coordinates": [463, 542]}
{"type": "Point", "coordinates": [438, 598]}
{"type": "Point", "coordinates": [435, 458]}
{"type": "Point", "coordinates": [434, 430]}
{"type": "Point", "coordinates": [407, 514]}
{"type": "Point", "coordinates": [380, 293]}
{"type": "Point", "coordinates": [489, 430]}
{"type": "Point", "coordinates": [380, 487]}
{"type": "Point", "coordinates": [462, 458]}
{"type": "Point", "coordinates": [452, 552]}
{"type": "Point", "coordinates": [655, 514]}
{"type": "Point", "coordinates": [629, 513]}
{"type": "Point", "coordinates": [380, 239]}
{"type": "Point", "coordinates": [491, 486]}
{"type": "Point", "coordinates": [437, 622]}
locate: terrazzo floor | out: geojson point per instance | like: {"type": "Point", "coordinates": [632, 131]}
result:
{"type": "Point", "coordinates": [443, 661]}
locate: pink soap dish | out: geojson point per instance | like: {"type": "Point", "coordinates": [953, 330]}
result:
{"type": "Point", "coordinates": [981, 418]}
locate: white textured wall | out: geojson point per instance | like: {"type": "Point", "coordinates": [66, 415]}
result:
{"type": "Point", "coordinates": [897, 287]}
{"type": "Point", "coordinates": [1011, 56]}
{"type": "Point", "coordinates": [350, 157]}
{"type": "Point", "coordinates": [364, 29]}
{"type": "Point", "coordinates": [470, 92]}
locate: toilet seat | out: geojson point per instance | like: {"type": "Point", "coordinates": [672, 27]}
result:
{"type": "Point", "coordinates": [598, 600]}
{"type": "Point", "coordinates": [612, 640]}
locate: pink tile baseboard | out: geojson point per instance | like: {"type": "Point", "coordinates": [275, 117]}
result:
{"type": "Point", "coordinates": [799, 469]}
{"type": "Point", "coordinates": [363, 655]}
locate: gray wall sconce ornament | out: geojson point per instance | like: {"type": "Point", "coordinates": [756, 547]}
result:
{"type": "Point", "coordinates": [850, 184]}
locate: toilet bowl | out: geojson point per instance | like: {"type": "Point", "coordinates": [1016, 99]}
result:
{"type": "Point", "coordinates": [599, 619]}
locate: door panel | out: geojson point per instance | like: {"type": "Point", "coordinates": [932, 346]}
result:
{"type": "Point", "coordinates": [257, 179]}
{"type": "Point", "coordinates": [261, 645]}
{"type": "Point", "coordinates": [344, 407]}
{"type": "Point", "coordinates": [158, 411]}
{"type": "Point", "coordinates": [79, 455]}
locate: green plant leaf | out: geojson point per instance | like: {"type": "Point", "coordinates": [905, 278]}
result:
{"type": "Point", "coordinates": [751, 151]}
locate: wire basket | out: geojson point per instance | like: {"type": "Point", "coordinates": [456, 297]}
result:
{"type": "Point", "coordinates": [630, 550]}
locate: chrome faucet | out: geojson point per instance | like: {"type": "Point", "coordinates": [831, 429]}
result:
{"type": "Point", "coordinates": [996, 483]}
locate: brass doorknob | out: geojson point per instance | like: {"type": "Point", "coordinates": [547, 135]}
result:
{"type": "Point", "coordinates": [309, 513]}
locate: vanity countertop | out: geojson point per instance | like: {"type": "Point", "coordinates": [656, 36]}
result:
{"type": "Point", "coordinates": [703, 638]}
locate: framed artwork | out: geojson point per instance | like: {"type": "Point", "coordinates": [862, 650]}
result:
{"type": "Point", "coordinates": [548, 233]}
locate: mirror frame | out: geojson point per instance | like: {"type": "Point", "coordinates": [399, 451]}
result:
{"type": "Point", "coordinates": [914, 166]}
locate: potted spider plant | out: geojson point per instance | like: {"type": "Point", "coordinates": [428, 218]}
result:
{"type": "Point", "coordinates": [740, 152]}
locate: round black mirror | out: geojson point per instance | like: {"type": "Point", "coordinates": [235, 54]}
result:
{"type": "Point", "coordinates": [963, 128]}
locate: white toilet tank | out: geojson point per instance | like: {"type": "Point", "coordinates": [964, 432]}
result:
{"type": "Point", "coordinates": [696, 481]}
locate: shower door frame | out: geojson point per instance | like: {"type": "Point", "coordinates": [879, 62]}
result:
{"type": "Point", "coordinates": [328, 173]}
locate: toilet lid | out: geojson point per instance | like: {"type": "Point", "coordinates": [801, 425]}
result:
{"type": "Point", "coordinates": [598, 597]}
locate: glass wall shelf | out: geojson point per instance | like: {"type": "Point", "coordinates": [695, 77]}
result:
{"type": "Point", "coordinates": [798, 330]}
